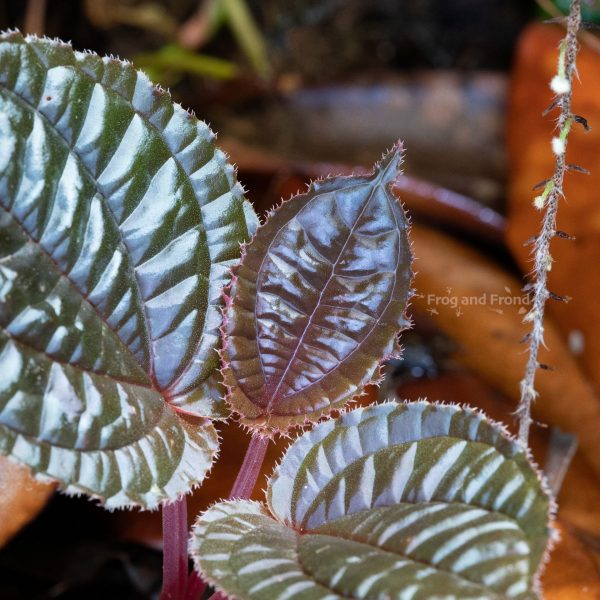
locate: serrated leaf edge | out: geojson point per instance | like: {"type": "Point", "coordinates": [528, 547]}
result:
{"type": "Point", "coordinates": [264, 508]}
{"type": "Point", "coordinates": [252, 220]}
{"type": "Point", "coordinates": [553, 531]}
{"type": "Point", "coordinates": [283, 426]}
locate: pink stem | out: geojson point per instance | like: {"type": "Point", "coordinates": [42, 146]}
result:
{"type": "Point", "coordinates": [244, 483]}
{"type": "Point", "coordinates": [175, 552]}
{"type": "Point", "coordinates": [195, 586]}
{"type": "Point", "coordinates": [250, 469]}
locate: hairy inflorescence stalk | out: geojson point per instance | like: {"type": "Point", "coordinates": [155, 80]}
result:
{"type": "Point", "coordinates": [561, 85]}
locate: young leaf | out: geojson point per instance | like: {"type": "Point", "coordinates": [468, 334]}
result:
{"type": "Point", "coordinates": [398, 500]}
{"type": "Point", "coordinates": [119, 222]}
{"type": "Point", "coordinates": [317, 300]}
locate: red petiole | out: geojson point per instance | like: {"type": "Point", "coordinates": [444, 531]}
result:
{"type": "Point", "coordinates": [177, 585]}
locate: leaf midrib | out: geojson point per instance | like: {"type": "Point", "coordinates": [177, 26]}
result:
{"type": "Point", "coordinates": [273, 395]}
{"type": "Point", "coordinates": [314, 503]}
{"type": "Point", "coordinates": [149, 381]}
{"type": "Point", "coordinates": [28, 106]}
{"type": "Point", "coordinates": [200, 226]}
{"type": "Point", "coordinates": [33, 440]}
{"type": "Point", "coordinates": [77, 367]}
{"type": "Point", "coordinates": [239, 544]}
{"type": "Point", "coordinates": [458, 576]}
{"type": "Point", "coordinates": [370, 331]}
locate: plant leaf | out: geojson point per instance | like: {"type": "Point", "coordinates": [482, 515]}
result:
{"type": "Point", "coordinates": [317, 300]}
{"type": "Point", "coordinates": [119, 222]}
{"type": "Point", "coordinates": [398, 500]}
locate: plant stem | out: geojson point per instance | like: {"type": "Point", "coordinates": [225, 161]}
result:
{"type": "Point", "coordinates": [248, 35]}
{"type": "Point", "coordinates": [250, 469]}
{"type": "Point", "coordinates": [562, 85]}
{"type": "Point", "coordinates": [246, 479]}
{"type": "Point", "coordinates": [175, 552]}
{"type": "Point", "coordinates": [585, 36]}
{"type": "Point", "coordinates": [35, 16]}
{"type": "Point", "coordinates": [195, 586]}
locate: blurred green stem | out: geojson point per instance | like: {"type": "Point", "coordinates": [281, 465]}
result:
{"type": "Point", "coordinates": [177, 59]}
{"type": "Point", "coordinates": [247, 35]}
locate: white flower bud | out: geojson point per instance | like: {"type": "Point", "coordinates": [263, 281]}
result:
{"type": "Point", "coordinates": [560, 85]}
{"type": "Point", "coordinates": [539, 202]}
{"type": "Point", "coordinates": [558, 146]}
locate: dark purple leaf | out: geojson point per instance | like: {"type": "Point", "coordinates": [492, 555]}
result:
{"type": "Point", "coordinates": [317, 301]}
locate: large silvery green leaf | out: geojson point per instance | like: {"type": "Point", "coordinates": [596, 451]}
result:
{"type": "Point", "coordinates": [119, 222]}
{"type": "Point", "coordinates": [395, 501]}
{"type": "Point", "coordinates": [317, 300]}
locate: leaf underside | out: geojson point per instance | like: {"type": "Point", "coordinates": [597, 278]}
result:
{"type": "Point", "coordinates": [119, 222]}
{"type": "Point", "coordinates": [317, 300]}
{"type": "Point", "coordinates": [398, 501]}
